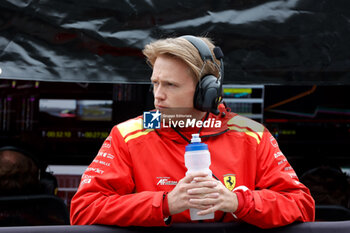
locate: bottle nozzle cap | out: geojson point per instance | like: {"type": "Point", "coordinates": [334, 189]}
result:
{"type": "Point", "coordinates": [195, 138]}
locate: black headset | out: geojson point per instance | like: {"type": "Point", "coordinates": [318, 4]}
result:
{"type": "Point", "coordinates": [208, 94]}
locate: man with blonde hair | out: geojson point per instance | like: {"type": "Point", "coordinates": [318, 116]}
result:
{"type": "Point", "coordinates": [138, 176]}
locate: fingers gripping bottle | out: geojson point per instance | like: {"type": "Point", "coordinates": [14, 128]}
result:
{"type": "Point", "coordinates": [197, 159]}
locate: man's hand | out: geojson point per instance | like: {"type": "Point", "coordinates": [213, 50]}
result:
{"type": "Point", "coordinates": [197, 190]}
{"type": "Point", "coordinates": [179, 197]}
{"type": "Point", "coordinates": [211, 200]}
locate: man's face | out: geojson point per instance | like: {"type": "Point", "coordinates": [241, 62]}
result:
{"type": "Point", "coordinates": [173, 85]}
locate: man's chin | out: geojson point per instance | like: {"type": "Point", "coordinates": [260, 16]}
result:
{"type": "Point", "coordinates": [181, 113]}
{"type": "Point", "coordinates": [176, 110]}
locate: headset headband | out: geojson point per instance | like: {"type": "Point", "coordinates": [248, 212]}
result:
{"type": "Point", "coordinates": [201, 46]}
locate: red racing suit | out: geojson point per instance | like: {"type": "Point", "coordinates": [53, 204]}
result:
{"type": "Point", "coordinates": [125, 183]}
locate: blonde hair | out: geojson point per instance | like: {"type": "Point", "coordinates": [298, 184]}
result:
{"type": "Point", "coordinates": [182, 49]}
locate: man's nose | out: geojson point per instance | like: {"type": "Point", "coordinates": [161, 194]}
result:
{"type": "Point", "coordinates": [159, 92]}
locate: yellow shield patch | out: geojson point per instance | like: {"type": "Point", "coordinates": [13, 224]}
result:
{"type": "Point", "coordinates": [230, 181]}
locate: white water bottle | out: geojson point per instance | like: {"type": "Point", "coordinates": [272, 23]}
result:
{"type": "Point", "coordinates": [197, 159]}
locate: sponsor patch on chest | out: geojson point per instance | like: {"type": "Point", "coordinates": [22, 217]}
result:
{"type": "Point", "coordinates": [166, 181]}
{"type": "Point", "coordinates": [230, 181]}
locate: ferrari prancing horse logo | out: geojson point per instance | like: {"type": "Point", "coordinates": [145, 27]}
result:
{"type": "Point", "coordinates": [230, 181]}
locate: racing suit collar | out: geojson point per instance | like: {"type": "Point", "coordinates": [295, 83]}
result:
{"type": "Point", "coordinates": [184, 135]}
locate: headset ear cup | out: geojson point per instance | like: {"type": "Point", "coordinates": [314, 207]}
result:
{"type": "Point", "coordinates": [207, 94]}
